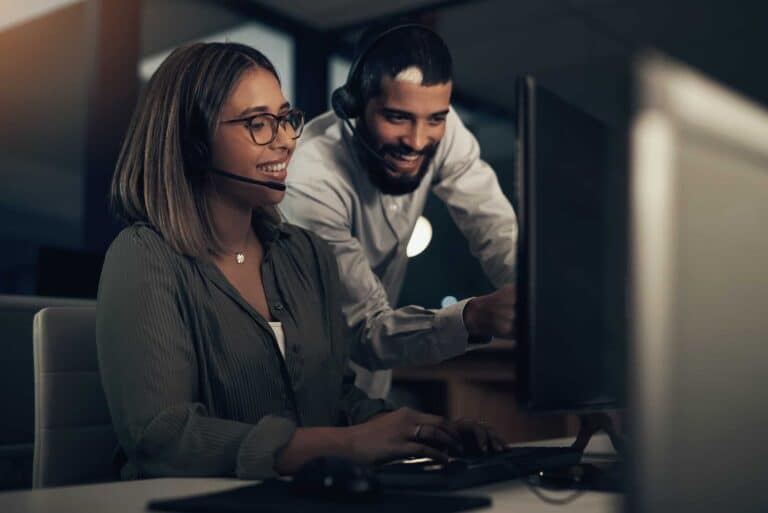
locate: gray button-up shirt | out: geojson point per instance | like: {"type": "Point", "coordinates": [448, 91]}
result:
{"type": "Point", "coordinates": [330, 194]}
{"type": "Point", "coordinates": [193, 376]}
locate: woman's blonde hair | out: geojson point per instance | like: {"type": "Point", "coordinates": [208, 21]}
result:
{"type": "Point", "coordinates": [162, 172]}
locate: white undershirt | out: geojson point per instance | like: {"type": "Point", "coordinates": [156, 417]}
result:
{"type": "Point", "coordinates": [277, 327]}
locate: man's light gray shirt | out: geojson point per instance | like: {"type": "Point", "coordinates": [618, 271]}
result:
{"type": "Point", "coordinates": [329, 193]}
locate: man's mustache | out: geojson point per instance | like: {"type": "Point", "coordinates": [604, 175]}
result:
{"type": "Point", "coordinates": [407, 150]}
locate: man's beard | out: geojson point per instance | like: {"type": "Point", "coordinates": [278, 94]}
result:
{"type": "Point", "coordinates": [377, 169]}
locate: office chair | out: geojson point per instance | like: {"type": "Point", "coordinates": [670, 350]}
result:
{"type": "Point", "coordinates": [74, 439]}
{"type": "Point", "coordinates": [17, 393]}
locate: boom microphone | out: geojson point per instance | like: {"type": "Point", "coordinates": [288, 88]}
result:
{"type": "Point", "coordinates": [272, 185]}
{"type": "Point", "coordinates": [369, 148]}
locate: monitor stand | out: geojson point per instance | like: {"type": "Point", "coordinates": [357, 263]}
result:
{"type": "Point", "coordinates": [601, 475]}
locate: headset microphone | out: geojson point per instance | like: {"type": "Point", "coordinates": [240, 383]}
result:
{"type": "Point", "coordinates": [361, 139]}
{"type": "Point", "coordinates": [272, 185]}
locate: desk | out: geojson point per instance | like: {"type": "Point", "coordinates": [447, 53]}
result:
{"type": "Point", "coordinates": [479, 384]}
{"type": "Point", "coordinates": [132, 496]}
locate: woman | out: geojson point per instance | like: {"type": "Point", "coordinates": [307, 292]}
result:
{"type": "Point", "coordinates": [221, 343]}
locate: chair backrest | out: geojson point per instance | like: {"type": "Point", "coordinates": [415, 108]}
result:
{"type": "Point", "coordinates": [74, 439]}
{"type": "Point", "coordinates": [17, 389]}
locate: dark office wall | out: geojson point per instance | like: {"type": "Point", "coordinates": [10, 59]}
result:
{"type": "Point", "coordinates": [68, 83]}
{"type": "Point", "coordinates": [43, 101]}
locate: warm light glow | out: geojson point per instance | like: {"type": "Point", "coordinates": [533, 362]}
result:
{"type": "Point", "coordinates": [14, 13]}
{"type": "Point", "coordinates": [420, 238]}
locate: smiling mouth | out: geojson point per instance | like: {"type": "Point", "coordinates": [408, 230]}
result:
{"type": "Point", "coordinates": [273, 168]}
{"type": "Point", "coordinates": [405, 163]}
{"type": "Point", "coordinates": [406, 158]}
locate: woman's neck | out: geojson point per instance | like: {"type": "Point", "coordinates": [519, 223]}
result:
{"type": "Point", "coordinates": [233, 226]}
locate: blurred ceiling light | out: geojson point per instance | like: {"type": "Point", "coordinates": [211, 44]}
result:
{"type": "Point", "coordinates": [14, 13]}
{"type": "Point", "coordinates": [420, 238]}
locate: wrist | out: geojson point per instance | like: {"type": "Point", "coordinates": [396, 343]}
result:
{"type": "Point", "coordinates": [348, 443]}
{"type": "Point", "coordinates": [469, 315]}
{"type": "Point", "coordinates": [310, 443]}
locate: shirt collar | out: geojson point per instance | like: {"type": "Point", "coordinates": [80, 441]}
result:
{"type": "Point", "coordinates": [269, 229]}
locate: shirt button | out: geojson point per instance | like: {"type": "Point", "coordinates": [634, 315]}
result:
{"type": "Point", "coordinates": [393, 207]}
{"type": "Point", "coordinates": [279, 307]}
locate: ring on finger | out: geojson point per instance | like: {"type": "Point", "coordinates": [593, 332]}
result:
{"type": "Point", "coordinates": [417, 431]}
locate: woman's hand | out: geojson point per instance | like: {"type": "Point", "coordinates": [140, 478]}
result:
{"type": "Point", "coordinates": [401, 433]}
{"type": "Point", "coordinates": [390, 436]}
{"type": "Point", "coordinates": [477, 437]}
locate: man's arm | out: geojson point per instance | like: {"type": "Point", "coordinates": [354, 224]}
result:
{"type": "Point", "coordinates": [469, 188]}
{"type": "Point", "coordinates": [386, 337]}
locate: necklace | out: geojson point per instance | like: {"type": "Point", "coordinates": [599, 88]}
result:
{"type": "Point", "coordinates": [240, 255]}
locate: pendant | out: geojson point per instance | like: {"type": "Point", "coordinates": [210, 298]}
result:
{"type": "Point", "coordinates": [239, 258]}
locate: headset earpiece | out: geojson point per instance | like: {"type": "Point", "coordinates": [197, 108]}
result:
{"type": "Point", "coordinates": [344, 103]}
{"type": "Point", "coordinates": [196, 156]}
{"type": "Point", "coordinates": [345, 100]}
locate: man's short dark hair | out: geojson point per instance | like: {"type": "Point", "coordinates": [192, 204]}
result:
{"type": "Point", "coordinates": [399, 50]}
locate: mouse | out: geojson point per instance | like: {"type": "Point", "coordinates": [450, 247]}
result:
{"type": "Point", "coordinates": [335, 478]}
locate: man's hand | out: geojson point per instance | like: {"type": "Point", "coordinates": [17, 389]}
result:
{"type": "Point", "coordinates": [492, 315]}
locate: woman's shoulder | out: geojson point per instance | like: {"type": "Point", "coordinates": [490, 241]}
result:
{"type": "Point", "coordinates": [140, 240]}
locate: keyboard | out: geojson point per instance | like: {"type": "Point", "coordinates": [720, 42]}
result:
{"type": "Point", "coordinates": [458, 473]}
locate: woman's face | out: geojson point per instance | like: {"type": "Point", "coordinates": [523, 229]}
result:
{"type": "Point", "coordinates": [234, 150]}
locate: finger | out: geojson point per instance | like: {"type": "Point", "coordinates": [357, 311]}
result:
{"type": "Point", "coordinates": [417, 449]}
{"type": "Point", "coordinates": [499, 444]}
{"type": "Point", "coordinates": [451, 430]}
{"type": "Point", "coordinates": [436, 436]}
{"type": "Point", "coordinates": [426, 418]}
{"type": "Point", "coordinates": [437, 421]}
{"type": "Point", "coordinates": [496, 441]}
{"type": "Point", "coordinates": [481, 436]}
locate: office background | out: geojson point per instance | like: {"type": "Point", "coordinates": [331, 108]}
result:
{"type": "Point", "coordinates": [71, 71]}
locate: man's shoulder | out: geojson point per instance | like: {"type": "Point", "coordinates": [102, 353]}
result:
{"type": "Point", "coordinates": [322, 159]}
{"type": "Point", "coordinates": [322, 138]}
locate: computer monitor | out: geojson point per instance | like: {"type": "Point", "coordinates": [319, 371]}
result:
{"type": "Point", "coordinates": [571, 264]}
{"type": "Point", "coordinates": [699, 359]}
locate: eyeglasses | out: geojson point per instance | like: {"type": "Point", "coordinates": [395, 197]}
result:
{"type": "Point", "coordinates": [263, 127]}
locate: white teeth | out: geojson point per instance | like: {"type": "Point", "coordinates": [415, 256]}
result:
{"type": "Point", "coordinates": [409, 158]}
{"type": "Point", "coordinates": [273, 168]}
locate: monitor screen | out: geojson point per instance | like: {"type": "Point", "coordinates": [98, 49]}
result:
{"type": "Point", "coordinates": [571, 270]}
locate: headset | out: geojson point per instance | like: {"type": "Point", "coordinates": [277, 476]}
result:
{"type": "Point", "coordinates": [201, 154]}
{"type": "Point", "coordinates": [346, 100]}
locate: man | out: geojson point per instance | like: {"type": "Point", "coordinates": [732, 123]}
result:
{"type": "Point", "coordinates": [362, 182]}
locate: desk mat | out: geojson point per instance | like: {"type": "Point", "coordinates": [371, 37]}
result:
{"type": "Point", "coordinates": [278, 497]}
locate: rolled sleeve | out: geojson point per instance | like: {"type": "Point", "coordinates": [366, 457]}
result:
{"type": "Point", "coordinates": [259, 450]}
{"type": "Point", "coordinates": [450, 328]}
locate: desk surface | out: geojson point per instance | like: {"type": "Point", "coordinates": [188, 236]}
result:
{"type": "Point", "coordinates": [133, 496]}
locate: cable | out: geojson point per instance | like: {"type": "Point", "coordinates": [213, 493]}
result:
{"type": "Point", "coordinates": [536, 490]}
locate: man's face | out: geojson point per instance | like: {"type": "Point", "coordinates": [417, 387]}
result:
{"type": "Point", "coordinates": [404, 124]}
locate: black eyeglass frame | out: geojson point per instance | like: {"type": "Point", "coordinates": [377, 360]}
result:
{"type": "Point", "coordinates": [279, 122]}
